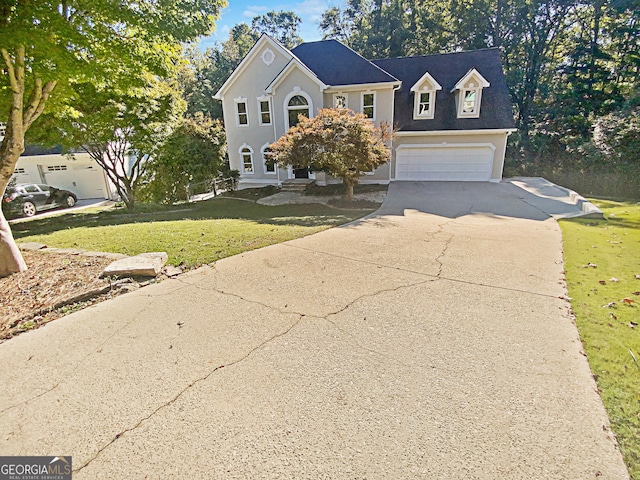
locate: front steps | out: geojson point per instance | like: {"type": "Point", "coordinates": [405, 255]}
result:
{"type": "Point", "coordinates": [296, 184]}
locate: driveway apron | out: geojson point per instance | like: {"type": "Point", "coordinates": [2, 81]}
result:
{"type": "Point", "coordinates": [432, 339]}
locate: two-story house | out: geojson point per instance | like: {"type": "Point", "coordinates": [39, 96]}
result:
{"type": "Point", "coordinates": [451, 113]}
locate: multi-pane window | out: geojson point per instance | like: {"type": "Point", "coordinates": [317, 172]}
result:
{"type": "Point", "coordinates": [56, 168]}
{"type": "Point", "coordinates": [266, 156]}
{"type": "Point", "coordinates": [242, 114]}
{"type": "Point", "coordinates": [247, 159]}
{"type": "Point", "coordinates": [469, 101]}
{"type": "Point", "coordinates": [369, 105]}
{"type": "Point", "coordinates": [425, 104]}
{"type": "Point", "coordinates": [265, 112]}
{"type": "Point", "coordinates": [340, 101]}
{"type": "Point", "coordinates": [298, 105]}
{"type": "Point", "coordinates": [19, 170]}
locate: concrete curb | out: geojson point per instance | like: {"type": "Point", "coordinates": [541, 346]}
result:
{"type": "Point", "coordinates": [587, 209]}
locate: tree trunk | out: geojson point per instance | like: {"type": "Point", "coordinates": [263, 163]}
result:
{"type": "Point", "coordinates": [348, 196]}
{"type": "Point", "coordinates": [11, 260]}
{"type": "Point", "coordinates": [21, 116]}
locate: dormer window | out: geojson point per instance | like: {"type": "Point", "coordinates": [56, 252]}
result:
{"type": "Point", "coordinates": [469, 105]}
{"type": "Point", "coordinates": [469, 94]}
{"type": "Point", "coordinates": [424, 95]}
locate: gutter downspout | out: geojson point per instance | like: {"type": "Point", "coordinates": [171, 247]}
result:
{"type": "Point", "coordinates": [275, 135]}
{"type": "Point", "coordinates": [393, 111]}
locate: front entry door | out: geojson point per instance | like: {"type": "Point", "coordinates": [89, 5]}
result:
{"type": "Point", "coordinates": [300, 173]}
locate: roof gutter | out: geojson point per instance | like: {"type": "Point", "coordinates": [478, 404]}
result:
{"type": "Point", "coordinates": [362, 86]}
{"type": "Point", "coordinates": [479, 131]}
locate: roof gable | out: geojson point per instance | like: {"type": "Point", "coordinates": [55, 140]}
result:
{"type": "Point", "coordinates": [263, 41]}
{"type": "Point", "coordinates": [472, 79]}
{"type": "Point", "coordinates": [294, 63]}
{"type": "Point", "coordinates": [336, 64]}
{"type": "Point", "coordinates": [426, 79]}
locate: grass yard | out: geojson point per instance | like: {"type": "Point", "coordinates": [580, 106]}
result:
{"type": "Point", "coordinates": [602, 261]}
{"type": "Point", "coordinates": [192, 234]}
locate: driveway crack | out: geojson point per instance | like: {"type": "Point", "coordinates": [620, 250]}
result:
{"type": "Point", "coordinates": [439, 258]}
{"type": "Point", "coordinates": [187, 388]}
{"type": "Point", "coordinates": [351, 303]}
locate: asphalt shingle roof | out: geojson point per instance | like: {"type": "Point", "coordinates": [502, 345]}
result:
{"type": "Point", "coordinates": [32, 150]}
{"type": "Point", "coordinates": [447, 70]}
{"type": "Point", "coordinates": [336, 64]}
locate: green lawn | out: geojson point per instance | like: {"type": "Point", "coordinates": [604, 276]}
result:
{"type": "Point", "coordinates": [192, 234]}
{"type": "Point", "coordinates": [602, 261]}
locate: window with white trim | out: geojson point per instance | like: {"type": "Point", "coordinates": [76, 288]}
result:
{"type": "Point", "coordinates": [340, 100]}
{"type": "Point", "coordinates": [469, 94]}
{"type": "Point", "coordinates": [56, 168]}
{"type": "Point", "coordinates": [424, 97]}
{"type": "Point", "coordinates": [246, 154]}
{"type": "Point", "coordinates": [266, 155]}
{"type": "Point", "coordinates": [264, 108]}
{"type": "Point", "coordinates": [19, 170]}
{"type": "Point", "coordinates": [242, 114]}
{"type": "Point", "coordinates": [369, 105]}
{"type": "Point", "coordinates": [469, 104]}
{"type": "Point", "coordinates": [424, 106]}
{"type": "Point", "coordinates": [297, 105]}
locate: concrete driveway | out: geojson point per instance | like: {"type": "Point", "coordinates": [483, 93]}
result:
{"type": "Point", "coordinates": [431, 340]}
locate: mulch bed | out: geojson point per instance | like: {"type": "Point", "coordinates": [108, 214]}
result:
{"type": "Point", "coordinates": [55, 284]}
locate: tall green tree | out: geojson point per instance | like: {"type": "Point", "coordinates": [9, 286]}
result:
{"type": "Point", "coordinates": [48, 45]}
{"type": "Point", "coordinates": [121, 131]}
{"type": "Point", "coordinates": [192, 154]}
{"type": "Point", "coordinates": [204, 73]}
{"type": "Point", "coordinates": [283, 26]}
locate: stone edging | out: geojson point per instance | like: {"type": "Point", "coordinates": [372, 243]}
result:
{"type": "Point", "coordinates": [41, 247]}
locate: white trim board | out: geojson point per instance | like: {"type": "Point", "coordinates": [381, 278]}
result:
{"type": "Point", "coordinates": [294, 62]}
{"type": "Point", "coordinates": [454, 132]}
{"type": "Point", "coordinates": [409, 146]}
{"type": "Point", "coordinates": [361, 86]}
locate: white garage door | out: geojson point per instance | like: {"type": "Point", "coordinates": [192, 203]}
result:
{"type": "Point", "coordinates": [85, 183]}
{"type": "Point", "coordinates": [466, 163]}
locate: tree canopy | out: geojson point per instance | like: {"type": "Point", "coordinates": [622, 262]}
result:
{"type": "Point", "coordinates": [283, 26]}
{"type": "Point", "coordinates": [190, 157]}
{"type": "Point", "coordinates": [337, 141]}
{"type": "Point", "coordinates": [47, 46]}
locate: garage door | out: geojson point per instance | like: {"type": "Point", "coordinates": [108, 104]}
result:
{"type": "Point", "coordinates": [445, 163]}
{"type": "Point", "coordinates": [85, 183]}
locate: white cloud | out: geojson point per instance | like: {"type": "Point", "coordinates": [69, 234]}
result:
{"type": "Point", "coordinates": [311, 9]}
{"type": "Point", "coordinates": [255, 10]}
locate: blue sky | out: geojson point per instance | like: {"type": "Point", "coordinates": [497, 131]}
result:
{"type": "Point", "coordinates": [238, 11]}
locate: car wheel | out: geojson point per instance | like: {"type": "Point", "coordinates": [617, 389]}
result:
{"type": "Point", "coordinates": [70, 201]}
{"type": "Point", "coordinates": [29, 209]}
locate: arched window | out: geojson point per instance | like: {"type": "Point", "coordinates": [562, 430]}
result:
{"type": "Point", "coordinates": [298, 103]}
{"type": "Point", "coordinates": [266, 155]}
{"type": "Point", "coordinates": [246, 154]}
